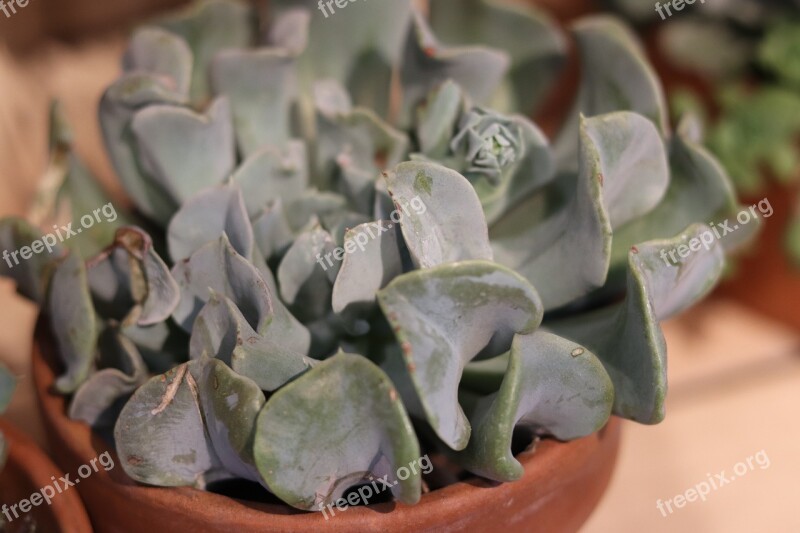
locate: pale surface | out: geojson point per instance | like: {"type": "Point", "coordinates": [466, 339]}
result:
{"type": "Point", "coordinates": [734, 377]}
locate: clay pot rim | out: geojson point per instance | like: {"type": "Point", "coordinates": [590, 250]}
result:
{"type": "Point", "coordinates": [26, 462]}
{"type": "Point", "coordinates": [551, 464]}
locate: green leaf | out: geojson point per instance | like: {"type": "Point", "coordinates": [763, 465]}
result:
{"type": "Point", "coordinates": [131, 93]}
{"type": "Point", "coordinates": [443, 318]}
{"type": "Point", "coordinates": [342, 424]}
{"type": "Point", "coordinates": [129, 282]}
{"type": "Point", "coordinates": [271, 361]}
{"type": "Point", "coordinates": [552, 386]}
{"type": "Point", "coordinates": [440, 214]}
{"type": "Point", "coordinates": [31, 275]}
{"type": "Point", "coordinates": [218, 267]}
{"type": "Point", "coordinates": [191, 426]}
{"type": "Point", "coordinates": [627, 337]}
{"type": "Point", "coordinates": [209, 27]}
{"type": "Point", "coordinates": [479, 70]}
{"type": "Point", "coordinates": [560, 238]}
{"type": "Point", "coordinates": [271, 174]}
{"type": "Point", "coordinates": [616, 76]}
{"type": "Point", "coordinates": [185, 152]}
{"type": "Point", "coordinates": [121, 370]}
{"type": "Point", "coordinates": [205, 217]}
{"type": "Point", "coordinates": [260, 84]}
{"type": "Point", "coordinates": [369, 39]}
{"type": "Point", "coordinates": [159, 52]}
{"type": "Point", "coordinates": [73, 321]}
{"type": "Point", "coordinates": [374, 261]}
{"type": "Point", "coordinates": [535, 60]}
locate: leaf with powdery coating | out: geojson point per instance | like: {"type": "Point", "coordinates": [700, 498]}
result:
{"type": "Point", "coordinates": [160, 52]}
{"type": "Point", "coordinates": [186, 152]}
{"type": "Point", "coordinates": [343, 424]}
{"type": "Point", "coordinates": [217, 266]}
{"type": "Point", "coordinates": [190, 427]}
{"type": "Point", "coordinates": [552, 386]}
{"type": "Point", "coordinates": [443, 318]}
{"type": "Point", "coordinates": [441, 215]}
{"type": "Point", "coordinates": [205, 217]}
{"type": "Point", "coordinates": [627, 337]}
{"type": "Point", "coordinates": [74, 323]}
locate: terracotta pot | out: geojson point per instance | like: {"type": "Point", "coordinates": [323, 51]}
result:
{"type": "Point", "coordinates": [765, 278]}
{"type": "Point", "coordinates": [563, 482]}
{"type": "Point", "coordinates": [27, 471]}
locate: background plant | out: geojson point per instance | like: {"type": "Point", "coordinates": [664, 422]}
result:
{"type": "Point", "coordinates": [527, 295]}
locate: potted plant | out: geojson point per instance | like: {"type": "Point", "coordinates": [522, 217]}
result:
{"type": "Point", "coordinates": [357, 274]}
{"type": "Point", "coordinates": [28, 500]}
{"type": "Point", "coordinates": [734, 66]}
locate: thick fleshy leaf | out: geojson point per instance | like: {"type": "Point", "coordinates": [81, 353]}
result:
{"type": "Point", "coordinates": [633, 161]}
{"type": "Point", "coordinates": [343, 423]}
{"type": "Point", "coordinates": [443, 318]}
{"type": "Point", "coordinates": [128, 95]}
{"type": "Point", "coordinates": [190, 426]}
{"type": "Point", "coordinates": [31, 271]}
{"type": "Point", "coordinates": [304, 275]}
{"type": "Point", "coordinates": [121, 370]}
{"type": "Point", "coordinates": [205, 217]}
{"type": "Point", "coordinates": [272, 174]}
{"type": "Point", "coordinates": [552, 386]}
{"type": "Point", "coordinates": [208, 27]}
{"type": "Point", "coordinates": [535, 60]}
{"type": "Point", "coordinates": [440, 214]}
{"type": "Point", "coordinates": [156, 51]}
{"type": "Point", "coordinates": [221, 331]}
{"type": "Point", "coordinates": [616, 76]}
{"type": "Point", "coordinates": [73, 321]}
{"type": "Point", "coordinates": [261, 86]}
{"type": "Point", "coordinates": [355, 147]}
{"type": "Point", "coordinates": [7, 385]}
{"type": "Point", "coordinates": [218, 267]}
{"type": "Point", "coordinates": [369, 42]}
{"type": "Point", "coordinates": [272, 231]}
{"type": "Point", "coordinates": [560, 238]}
{"type": "Point", "coordinates": [373, 260]}
{"type": "Point", "coordinates": [130, 282]}
{"type": "Point", "coordinates": [627, 338]}
{"type": "Point", "coordinates": [183, 151]}
{"type": "Point", "coordinates": [427, 63]}
{"type": "Point", "coordinates": [699, 192]}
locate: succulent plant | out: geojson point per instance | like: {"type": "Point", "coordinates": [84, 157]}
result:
{"type": "Point", "coordinates": [345, 256]}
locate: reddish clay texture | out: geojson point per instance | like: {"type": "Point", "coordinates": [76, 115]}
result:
{"type": "Point", "coordinates": [27, 471]}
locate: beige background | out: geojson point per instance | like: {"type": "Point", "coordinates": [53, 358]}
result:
{"type": "Point", "coordinates": [734, 376]}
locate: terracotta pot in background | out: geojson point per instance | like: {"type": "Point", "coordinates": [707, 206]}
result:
{"type": "Point", "coordinates": [27, 471]}
{"type": "Point", "coordinates": [563, 483]}
{"type": "Point", "coordinates": [73, 19]}
{"type": "Point", "coordinates": [765, 278]}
